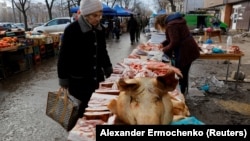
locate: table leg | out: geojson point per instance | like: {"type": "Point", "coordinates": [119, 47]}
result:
{"type": "Point", "coordinates": [228, 63]}
{"type": "Point", "coordinates": [205, 36]}
{"type": "Point", "coordinates": [237, 75]}
{"type": "Point", "coordinates": [220, 38]}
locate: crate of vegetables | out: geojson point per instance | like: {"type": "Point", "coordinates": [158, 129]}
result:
{"type": "Point", "coordinates": [8, 48]}
{"type": "Point", "coordinates": [8, 44]}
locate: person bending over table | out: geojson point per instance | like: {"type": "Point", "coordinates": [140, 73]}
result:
{"type": "Point", "coordinates": [179, 45]}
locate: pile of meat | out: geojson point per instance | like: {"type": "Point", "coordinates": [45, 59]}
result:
{"type": "Point", "coordinates": [134, 69]}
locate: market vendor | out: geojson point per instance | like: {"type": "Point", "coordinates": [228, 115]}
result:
{"type": "Point", "coordinates": [83, 58]}
{"type": "Point", "coordinates": [179, 44]}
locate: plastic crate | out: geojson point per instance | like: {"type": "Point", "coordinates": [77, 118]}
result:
{"type": "Point", "coordinates": [50, 50]}
{"type": "Point", "coordinates": [56, 37]}
{"type": "Point", "coordinates": [37, 42]}
{"type": "Point", "coordinates": [37, 59]}
{"type": "Point", "coordinates": [48, 40]}
{"type": "Point", "coordinates": [9, 34]}
{"type": "Point", "coordinates": [42, 49]}
{"type": "Point", "coordinates": [56, 51]}
{"type": "Point", "coordinates": [28, 50]}
{"type": "Point", "coordinates": [36, 50]}
{"type": "Point", "coordinates": [29, 60]}
{"type": "Point", "coordinates": [29, 42]}
{"type": "Point", "coordinates": [22, 64]}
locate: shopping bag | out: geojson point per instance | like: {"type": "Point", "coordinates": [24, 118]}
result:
{"type": "Point", "coordinates": [63, 108]}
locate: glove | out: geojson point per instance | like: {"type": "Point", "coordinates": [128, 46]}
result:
{"type": "Point", "coordinates": [108, 71]}
{"type": "Point", "coordinates": [64, 83]}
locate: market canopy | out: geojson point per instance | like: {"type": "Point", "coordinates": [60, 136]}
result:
{"type": "Point", "coordinates": [121, 11]}
{"type": "Point", "coordinates": [105, 8]}
{"type": "Point", "coordinates": [161, 12]}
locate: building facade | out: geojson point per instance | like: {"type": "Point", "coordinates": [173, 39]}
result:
{"type": "Point", "coordinates": [192, 5]}
{"type": "Point", "coordinates": [235, 13]}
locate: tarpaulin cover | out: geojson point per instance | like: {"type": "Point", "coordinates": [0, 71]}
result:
{"type": "Point", "coordinates": [121, 11]}
{"type": "Point", "coordinates": [106, 10]}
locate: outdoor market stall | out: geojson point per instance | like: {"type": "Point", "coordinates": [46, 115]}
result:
{"type": "Point", "coordinates": [137, 65]}
{"type": "Point", "coordinates": [144, 62]}
{"type": "Point", "coordinates": [20, 51]}
{"type": "Point", "coordinates": [216, 52]}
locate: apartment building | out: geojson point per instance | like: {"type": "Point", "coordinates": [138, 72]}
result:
{"type": "Point", "coordinates": [235, 13]}
{"type": "Point", "coordinates": [192, 5]}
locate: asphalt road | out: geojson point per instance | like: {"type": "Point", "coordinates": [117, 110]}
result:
{"type": "Point", "coordinates": [23, 98]}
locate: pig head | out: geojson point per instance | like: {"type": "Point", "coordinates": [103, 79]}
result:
{"type": "Point", "coordinates": [145, 100]}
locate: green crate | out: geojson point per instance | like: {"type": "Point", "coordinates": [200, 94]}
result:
{"type": "Point", "coordinates": [9, 34]}
{"type": "Point", "coordinates": [36, 50]}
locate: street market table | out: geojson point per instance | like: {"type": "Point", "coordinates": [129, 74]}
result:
{"type": "Point", "coordinates": [85, 127]}
{"type": "Point", "coordinates": [214, 33]}
{"type": "Point", "coordinates": [225, 56]}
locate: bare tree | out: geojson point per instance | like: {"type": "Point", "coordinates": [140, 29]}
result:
{"type": "Point", "coordinates": [163, 4]}
{"type": "Point", "coordinates": [23, 6]}
{"type": "Point", "coordinates": [173, 7]}
{"type": "Point", "coordinates": [126, 3]}
{"type": "Point", "coordinates": [37, 13]}
{"type": "Point", "coordinates": [49, 7]}
{"type": "Point", "coordinates": [122, 3]}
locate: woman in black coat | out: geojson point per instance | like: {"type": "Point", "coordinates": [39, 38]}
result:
{"type": "Point", "coordinates": [83, 59]}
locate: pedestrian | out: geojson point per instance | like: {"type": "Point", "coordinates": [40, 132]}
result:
{"type": "Point", "coordinates": [83, 58]}
{"type": "Point", "coordinates": [179, 44]}
{"type": "Point", "coordinates": [215, 22]}
{"type": "Point", "coordinates": [131, 27]}
{"type": "Point", "coordinates": [139, 27]}
{"type": "Point", "coordinates": [117, 26]}
{"type": "Point", "coordinates": [110, 28]}
{"type": "Point", "coordinates": [144, 23]}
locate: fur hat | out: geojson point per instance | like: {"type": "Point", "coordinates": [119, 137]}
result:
{"type": "Point", "coordinates": [90, 6]}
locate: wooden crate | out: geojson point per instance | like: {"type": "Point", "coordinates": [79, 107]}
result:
{"type": "Point", "coordinates": [28, 50]}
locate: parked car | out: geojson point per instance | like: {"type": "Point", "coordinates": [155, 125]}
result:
{"type": "Point", "coordinates": [22, 25]}
{"type": "Point", "coordinates": [54, 25]}
{"type": "Point", "coordinates": [2, 28]}
{"type": "Point", "coordinates": [11, 26]}
{"type": "Point", "coordinates": [34, 25]}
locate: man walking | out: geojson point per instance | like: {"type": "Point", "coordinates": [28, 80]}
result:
{"type": "Point", "coordinates": [132, 28]}
{"type": "Point", "coordinates": [139, 27]}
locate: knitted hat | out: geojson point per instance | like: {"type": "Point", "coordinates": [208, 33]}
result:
{"type": "Point", "coordinates": [90, 6]}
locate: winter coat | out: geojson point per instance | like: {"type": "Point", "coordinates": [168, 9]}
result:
{"type": "Point", "coordinates": [132, 24]}
{"type": "Point", "coordinates": [83, 55]}
{"type": "Point", "coordinates": [179, 40]}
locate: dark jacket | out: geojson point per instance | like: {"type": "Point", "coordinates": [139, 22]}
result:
{"type": "Point", "coordinates": [180, 41]}
{"type": "Point", "coordinates": [132, 24]}
{"type": "Point", "coordinates": [83, 53]}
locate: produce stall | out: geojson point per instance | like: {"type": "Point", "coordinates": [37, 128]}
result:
{"type": "Point", "coordinates": [20, 50]}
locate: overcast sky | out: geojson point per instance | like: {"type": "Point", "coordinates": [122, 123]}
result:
{"type": "Point", "coordinates": [9, 1]}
